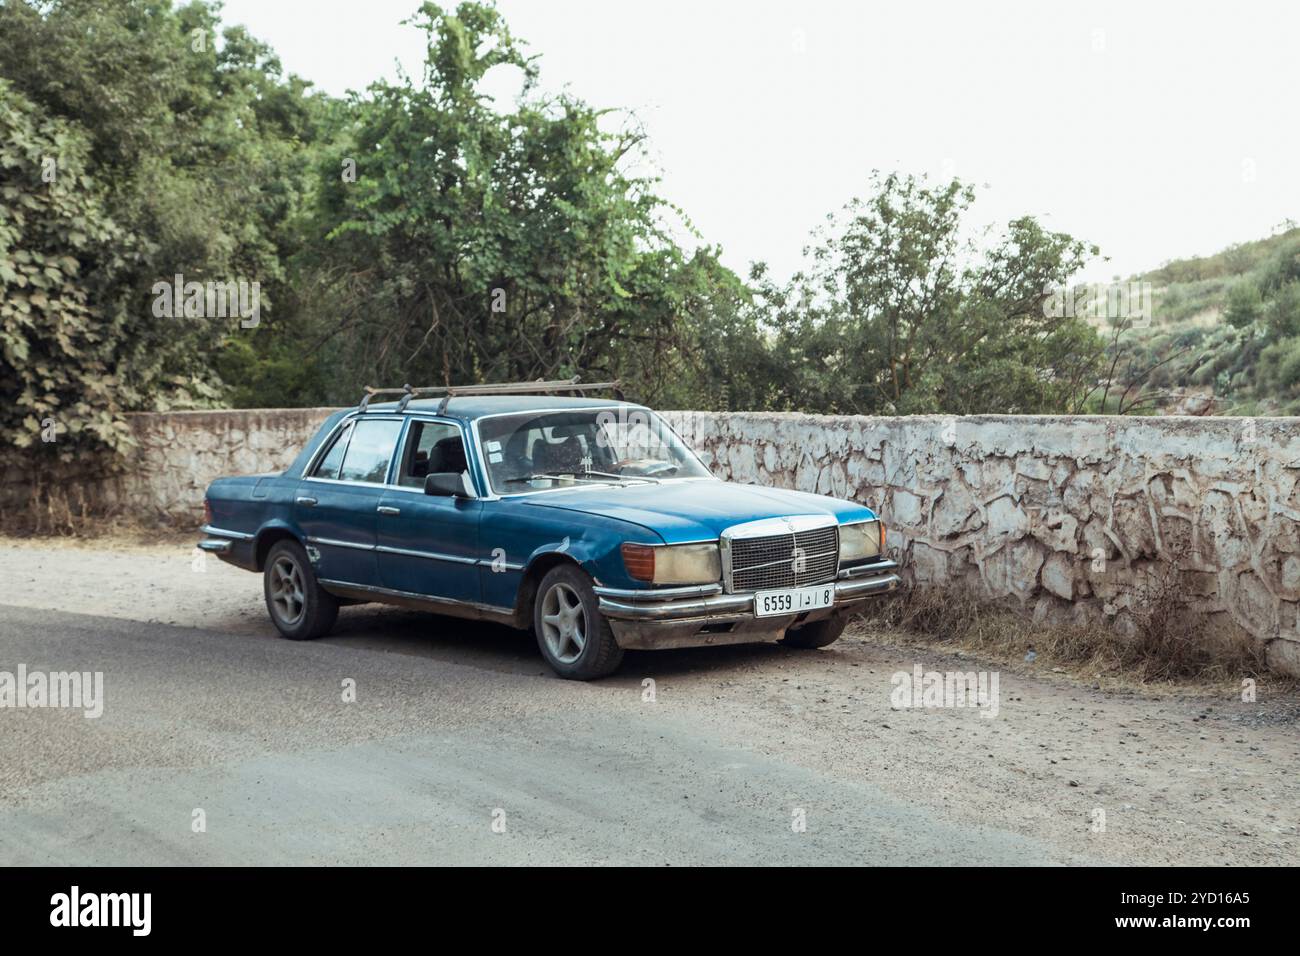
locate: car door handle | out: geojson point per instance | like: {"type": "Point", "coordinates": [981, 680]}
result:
{"type": "Point", "coordinates": [304, 500]}
{"type": "Point", "coordinates": [388, 510]}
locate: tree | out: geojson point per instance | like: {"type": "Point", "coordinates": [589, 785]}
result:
{"type": "Point", "coordinates": [485, 244]}
{"type": "Point", "coordinates": [174, 151]}
{"type": "Point", "coordinates": [899, 314]}
{"type": "Point", "coordinates": [59, 253]}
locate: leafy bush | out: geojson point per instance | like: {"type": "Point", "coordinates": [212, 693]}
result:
{"type": "Point", "coordinates": [61, 257]}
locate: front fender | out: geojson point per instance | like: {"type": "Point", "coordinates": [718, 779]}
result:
{"type": "Point", "coordinates": [599, 557]}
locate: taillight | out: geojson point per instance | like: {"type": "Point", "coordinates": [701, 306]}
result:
{"type": "Point", "coordinates": [882, 538]}
{"type": "Point", "coordinates": [639, 559]}
{"type": "Point", "coordinates": [207, 511]}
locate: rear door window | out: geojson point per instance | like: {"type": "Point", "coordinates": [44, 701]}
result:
{"type": "Point", "coordinates": [370, 450]}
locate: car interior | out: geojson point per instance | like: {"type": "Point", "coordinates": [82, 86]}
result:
{"type": "Point", "coordinates": [432, 448]}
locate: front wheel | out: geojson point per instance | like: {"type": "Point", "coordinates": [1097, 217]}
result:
{"type": "Point", "coordinates": [572, 634]}
{"type": "Point", "coordinates": [300, 608]}
{"type": "Point", "coordinates": [817, 634]}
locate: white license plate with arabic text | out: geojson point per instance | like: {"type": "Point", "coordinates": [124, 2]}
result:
{"type": "Point", "coordinates": [793, 600]}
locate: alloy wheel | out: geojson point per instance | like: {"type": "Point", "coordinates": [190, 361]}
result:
{"type": "Point", "coordinates": [564, 623]}
{"type": "Point", "coordinates": [288, 596]}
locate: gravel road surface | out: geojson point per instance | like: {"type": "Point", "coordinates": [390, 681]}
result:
{"type": "Point", "coordinates": [460, 747]}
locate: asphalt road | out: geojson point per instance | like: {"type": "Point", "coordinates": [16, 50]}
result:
{"type": "Point", "coordinates": [436, 761]}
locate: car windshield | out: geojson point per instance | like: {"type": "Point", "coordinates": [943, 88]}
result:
{"type": "Point", "coordinates": [534, 451]}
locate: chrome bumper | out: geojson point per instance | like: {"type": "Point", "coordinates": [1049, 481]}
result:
{"type": "Point", "coordinates": [689, 616]}
{"type": "Point", "coordinates": [233, 547]}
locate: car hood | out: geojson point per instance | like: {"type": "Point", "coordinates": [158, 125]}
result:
{"type": "Point", "coordinates": [680, 511]}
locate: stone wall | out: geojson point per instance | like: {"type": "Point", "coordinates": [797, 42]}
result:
{"type": "Point", "coordinates": [1070, 516]}
{"type": "Point", "coordinates": [176, 456]}
{"type": "Point", "coordinates": [1065, 515]}
{"type": "Point", "coordinates": [179, 453]}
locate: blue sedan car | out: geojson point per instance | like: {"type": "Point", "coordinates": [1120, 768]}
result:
{"type": "Point", "coordinates": [588, 520]}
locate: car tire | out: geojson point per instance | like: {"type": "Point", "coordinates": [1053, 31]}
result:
{"type": "Point", "coordinates": [817, 634]}
{"type": "Point", "coordinates": [572, 634]}
{"type": "Point", "coordinates": [299, 607]}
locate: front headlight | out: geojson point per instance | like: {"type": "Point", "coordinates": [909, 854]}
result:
{"type": "Point", "coordinates": [865, 539]}
{"type": "Point", "coordinates": [673, 564]}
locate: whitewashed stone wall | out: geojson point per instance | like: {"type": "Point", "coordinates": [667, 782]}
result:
{"type": "Point", "coordinates": [1064, 514]}
{"type": "Point", "coordinates": [179, 453]}
{"type": "Point", "coordinates": [176, 456]}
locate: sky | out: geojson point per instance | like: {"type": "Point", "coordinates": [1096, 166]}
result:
{"type": "Point", "coordinates": [1156, 130]}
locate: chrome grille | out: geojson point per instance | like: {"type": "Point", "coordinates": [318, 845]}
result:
{"type": "Point", "coordinates": [786, 560]}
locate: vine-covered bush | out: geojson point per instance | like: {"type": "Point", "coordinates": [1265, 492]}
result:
{"type": "Point", "coordinates": [59, 252]}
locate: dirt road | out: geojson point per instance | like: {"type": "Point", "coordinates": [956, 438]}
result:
{"type": "Point", "coordinates": [460, 746]}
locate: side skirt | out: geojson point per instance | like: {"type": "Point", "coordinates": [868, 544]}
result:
{"type": "Point", "coordinates": [421, 602]}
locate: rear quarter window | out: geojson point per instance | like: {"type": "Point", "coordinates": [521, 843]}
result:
{"type": "Point", "coordinates": [328, 467]}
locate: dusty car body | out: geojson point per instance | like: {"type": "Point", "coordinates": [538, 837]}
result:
{"type": "Point", "coordinates": [587, 520]}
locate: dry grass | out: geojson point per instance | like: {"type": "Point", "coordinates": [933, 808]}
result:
{"type": "Point", "coordinates": [1169, 641]}
{"type": "Point", "coordinates": [56, 513]}
{"type": "Point", "coordinates": [53, 508]}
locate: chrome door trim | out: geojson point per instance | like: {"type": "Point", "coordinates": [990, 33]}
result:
{"type": "Point", "coordinates": [336, 543]}
{"type": "Point", "coordinates": [439, 556]}
{"type": "Point", "coordinates": [350, 484]}
{"type": "Point", "coordinates": [432, 555]}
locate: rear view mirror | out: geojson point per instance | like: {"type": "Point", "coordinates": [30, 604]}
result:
{"type": "Point", "coordinates": [446, 484]}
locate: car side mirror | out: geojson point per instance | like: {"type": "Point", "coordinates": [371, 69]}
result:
{"type": "Point", "coordinates": [445, 484]}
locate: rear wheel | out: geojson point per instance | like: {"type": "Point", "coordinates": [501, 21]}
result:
{"type": "Point", "coordinates": [817, 634]}
{"type": "Point", "coordinates": [572, 634]}
{"type": "Point", "coordinates": [300, 608]}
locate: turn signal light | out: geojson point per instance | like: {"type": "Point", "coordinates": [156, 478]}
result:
{"type": "Point", "coordinates": [639, 559]}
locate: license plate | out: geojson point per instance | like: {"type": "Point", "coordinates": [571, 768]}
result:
{"type": "Point", "coordinates": [793, 600]}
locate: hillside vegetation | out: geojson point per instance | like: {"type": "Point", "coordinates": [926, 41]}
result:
{"type": "Point", "coordinates": [1225, 331]}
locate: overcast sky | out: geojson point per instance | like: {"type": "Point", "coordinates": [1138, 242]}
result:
{"type": "Point", "coordinates": [1155, 130]}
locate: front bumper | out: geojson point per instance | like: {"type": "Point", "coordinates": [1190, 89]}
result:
{"type": "Point", "coordinates": [649, 618]}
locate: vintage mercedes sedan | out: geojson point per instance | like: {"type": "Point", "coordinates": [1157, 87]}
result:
{"type": "Point", "coordinates": [588, 520]}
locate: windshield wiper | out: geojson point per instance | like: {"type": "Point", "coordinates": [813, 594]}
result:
{"type": "Point", "coordinates": [552, 476]}
{"type": "Point", "coordinates": [598, 479]}
{"type": "Point", "coordinates": [606, 474]}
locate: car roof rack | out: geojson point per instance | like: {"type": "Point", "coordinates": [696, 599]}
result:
{"type": "Point", "coordinates": [448, 392]}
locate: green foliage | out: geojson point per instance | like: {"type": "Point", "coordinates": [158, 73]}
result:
{"type": "Point", "coordinates": [900, 314]}
{"type": "Point", "coordinates": [172, 154]}
{"type": "Point", "coordinates": [419, 232]}
{"type": "Point", "coordinates": [59, 253]}
{"type": "Point", "coordinates": [486, 244]}
{"type": "Point", "coordinates": [1244, 304]}
{"type": "Point", "coordinates": [1236, 319]}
